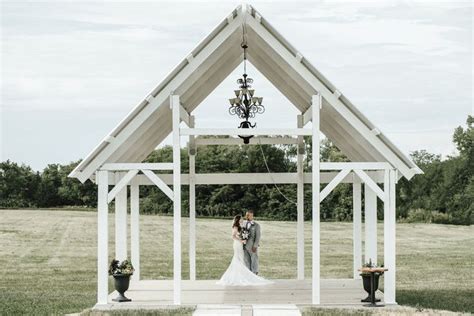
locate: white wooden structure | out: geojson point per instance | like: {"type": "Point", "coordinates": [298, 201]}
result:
{"type": "Point", "coordinates": [116, 161]}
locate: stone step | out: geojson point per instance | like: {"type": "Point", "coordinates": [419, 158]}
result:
{"type": "Point", "coordinates": [247, 310]}
{"type": "Point", "coordinates": [215, 310]}
{"type": "Point", "coordinates": [276, 310]}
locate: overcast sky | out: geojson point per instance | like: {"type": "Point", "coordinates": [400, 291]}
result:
{"type": "Point", "coordinates": [72, 70]}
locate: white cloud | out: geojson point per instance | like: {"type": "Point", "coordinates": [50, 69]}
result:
{"type": "Point", "coordinates": [72, 70]}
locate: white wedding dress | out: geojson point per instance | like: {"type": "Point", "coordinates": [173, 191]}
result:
{"type": "Point", "coordinates": [237, 274]}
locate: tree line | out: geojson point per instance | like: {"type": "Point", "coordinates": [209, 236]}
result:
{"type": "Point", "coordinates": [443, 194]}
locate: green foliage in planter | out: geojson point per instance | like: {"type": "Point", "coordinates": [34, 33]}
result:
{"type": "Point", "coordinates": [121, 268]}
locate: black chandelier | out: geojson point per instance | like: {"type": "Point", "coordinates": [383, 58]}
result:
{"type": "Point", "coordinates": [245, 105]}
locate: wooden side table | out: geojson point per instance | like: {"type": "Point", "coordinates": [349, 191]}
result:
{"type": "Point", "coordinates": [372, 272]}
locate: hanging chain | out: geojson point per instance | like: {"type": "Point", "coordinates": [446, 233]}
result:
{"type": "Point", "coordinates": [270, 174]}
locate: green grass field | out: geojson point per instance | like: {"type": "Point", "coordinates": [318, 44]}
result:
{"type": "Point", "coordinates": [48, 258]}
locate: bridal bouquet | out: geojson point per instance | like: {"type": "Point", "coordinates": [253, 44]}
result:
{"type": "Point", "coordinates": [244, 234]}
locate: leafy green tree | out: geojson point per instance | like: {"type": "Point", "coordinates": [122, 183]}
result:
{"type": "Point", "coordinates": [18, 185]}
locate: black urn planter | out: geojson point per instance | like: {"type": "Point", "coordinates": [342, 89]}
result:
{"type": "Point", "coordinates": [122, 282]}
{"type": "Point", "coordinates": [366, 282]}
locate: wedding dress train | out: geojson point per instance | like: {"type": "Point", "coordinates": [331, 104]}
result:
{"type": "Point", "coordinates": [237, 274]}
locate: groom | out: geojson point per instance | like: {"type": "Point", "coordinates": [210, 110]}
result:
{"type": "Point", "coordinates": [251, 246]}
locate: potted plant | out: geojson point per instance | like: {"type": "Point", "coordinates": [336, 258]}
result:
{"type": "Point", "coordinates": [366, 280]}
{"type": "Point", "coordinates": [121, 271]}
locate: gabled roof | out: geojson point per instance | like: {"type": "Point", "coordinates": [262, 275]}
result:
{"type": "Point", "coordinates": [149, 123]}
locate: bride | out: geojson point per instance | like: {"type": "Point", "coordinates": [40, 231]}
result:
{"type": "Point", "coordinates": [237, 273]}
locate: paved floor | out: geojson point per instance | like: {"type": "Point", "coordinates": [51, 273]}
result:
{"type": "Point", "coordinates": [159, 293]}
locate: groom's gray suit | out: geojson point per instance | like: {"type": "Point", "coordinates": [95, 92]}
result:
{"type": "Point", "coordinates": [250, 257]}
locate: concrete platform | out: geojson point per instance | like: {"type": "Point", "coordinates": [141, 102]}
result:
{"type": "Point", "coordinates": [159, 294]}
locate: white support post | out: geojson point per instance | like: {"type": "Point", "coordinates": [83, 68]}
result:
{"type": "Point", "coordinates": [135, 228]}
{"type": "Point", "coordinates": [102, 237]}
{"type": "Point", "coordinates": [175, 106]}
{"type": "Point", "coordinates": [192, 204]}
{"type": "Point", "coordinates": [120, 222]}
{"type": "Point", "coordinates": [300, 205]}
{"type": "Point", "coordinates": [316, 286]}
{"type": "Point", "coordinates": [370, 225]}
{"type": "Point", "coordinates": [357, 226]}
{"type": "Point", "coordinates": [389, 236]}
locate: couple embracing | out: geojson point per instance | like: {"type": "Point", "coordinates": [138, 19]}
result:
{"type": "Point", "coordinates": [243, 269]}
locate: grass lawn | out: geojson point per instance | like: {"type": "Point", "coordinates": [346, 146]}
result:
{"type": "Point", "coordinates": [49, 258]}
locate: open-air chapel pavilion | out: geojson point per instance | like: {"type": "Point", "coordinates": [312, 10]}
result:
{"type": "Point", "coordinates": [117, 162]}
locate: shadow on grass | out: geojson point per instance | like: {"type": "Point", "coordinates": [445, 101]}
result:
{"type": "Point", "coordinates": [453, 300]}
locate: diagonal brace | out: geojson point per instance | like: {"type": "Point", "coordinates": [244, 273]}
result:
{"type": "Point", "coordinates": [371, 183]}
{"type": "Point", "coordinates": [159, 183]}
{"type": "Point", "coordinates": [121, 184]}
{"type": "Point", "coordinates": [334, 182]}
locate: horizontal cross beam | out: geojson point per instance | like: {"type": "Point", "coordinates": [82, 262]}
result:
{"type": "Point", "coordinates": [137, 166]}
{"type": "Point", "coordinates": [244, 131]}
{"type": "Point", "coordinates": [252, 141]}
{"type": "Point", "coordinates": [250, 178]}
{"type": "Point", "coordinates": [354, 165]}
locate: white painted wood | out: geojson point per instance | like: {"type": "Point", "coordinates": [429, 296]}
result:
{"type": "Point", "coordinates": [192, 210]}
{"type": "Point", "coordinates": [109, 139]}
{"type": "Point", "coordinates": [239, 131]}
{"type": "Point", "coordinates": [135, 228]}
{"type": "Point", "coordinates": [376, 131]}
{"type": "Point", "coordinates": [357, 227]}
{"type": "Point", "coordinates": [121, 184]}
{"type": "Point", "coordinates": [370, 224]}
{"type": "Point", "coordinates": [121, 219]}
{"type": "Point", "coordinates": [355, 165]}
{"type": "Point", "coordinates": [175, 104]}
{"type": "Point", "coordinates": [371, 183]}
{"type": "Point", "coordinates": [184, 115]}
{"type": "Point", "coordinates": [304, 73]}
{"type": "Point", "coordinates": [102, 237]}
{"type": "Point", "coordinates": [334, 182]}
{"type": "Point", "coordinates": [190, 58]}
{"type": "Point", "coordinates": [137, 166]}
{"type": "Point", "coordinates": [251, 178]}
{"type": "Point", "coordinates": [390, 237]}
{"type": "Point", "coordinates": [159, 183]}
{"type": "Point", "coordinates": [294, 93]}
{"type": "Point", "coordinates": [252, 141]}
{"type": "Point", "coordinates": [214, 47]}
{"type": "Point", "coordinates": [140, 144]}
{"type": "Point", "coordinates": [141, 113]}
{"type": "Point", "coordinates": [307, 116]}
{"type": "Point", "coordinates": [316, 286]}
{"type": "Point", "coordinates": [300, 207]}
{"type": "Point", "coordinates": [149, 98]}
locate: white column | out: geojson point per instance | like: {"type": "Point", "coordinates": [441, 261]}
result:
{"type": "Point", "coordinates": [135, 227]}
{"type": "Point", "coordinates": [175, 105]}
{"type": "Point", "coordinates": [389, 236]}
{"type": "Point", "coordinates": [102, 237]}
{"type": "Point", "coordinates": [357, 226]}
{"type": "Point", "coordinates": [370, 224]}
{"type": "Point", "coordinates": [316, 286]}
{"type": "Point", "coordinates": [120, 222]}
{"type": "Point", "coordinates": [300, 204]}
{"type": "Point", "coordinates": [192, 204]}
